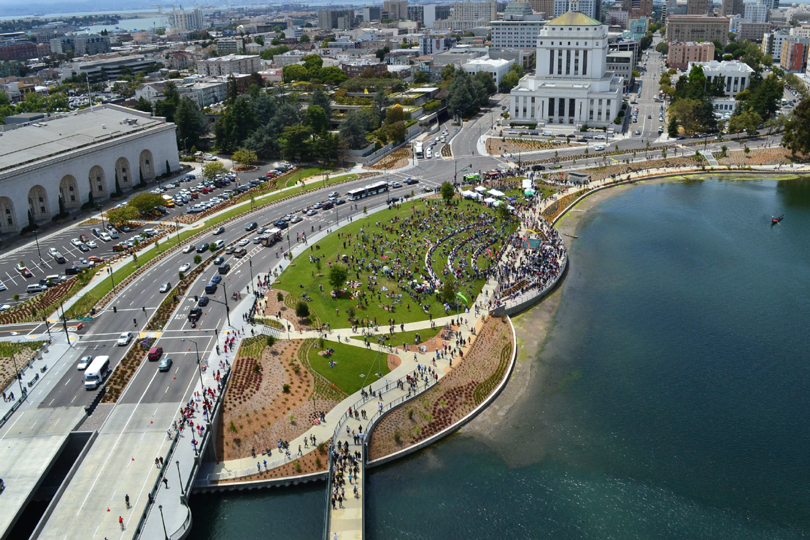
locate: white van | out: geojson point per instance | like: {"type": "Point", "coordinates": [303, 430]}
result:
{"type": "Point", "coordinates": [219, 244]}
{"type": "Point", "coordinates": [95, 374]}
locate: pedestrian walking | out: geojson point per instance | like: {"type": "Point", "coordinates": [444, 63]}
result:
{"type": "Point", "coordinates": [166, 482]}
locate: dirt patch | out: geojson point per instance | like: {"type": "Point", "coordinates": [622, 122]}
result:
{"type": "Point", "coordinates": [395, 160]}
{"type": "Point", "coordinates": [268, 399]}
{"type": "Point", "coordinates": [393, 362]}
{"type": "Point", "coordinates": [509, 146]}
{"type": "Point", "coordinates": [457, 394]}
{"type": "Point", "coordinates": [777, 155]}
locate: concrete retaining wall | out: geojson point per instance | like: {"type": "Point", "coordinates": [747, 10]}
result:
{"type": "Point", "coordinates": [455, 427]}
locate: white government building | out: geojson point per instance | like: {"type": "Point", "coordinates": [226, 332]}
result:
{"type": "Point", "coordinates": [69, 157]}
{"type": "Point", "coordinates": [571, 85]}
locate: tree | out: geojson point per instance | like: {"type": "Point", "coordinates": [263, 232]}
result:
{"type": "Point", "coordinates": [462, 99]}
{"type": "Point", "coordinates": [449, 291]}
{"type": "Point", "coordinates": [509, 81]}
{"type": "Point", "coordinates": [380, 53]}
{"type": "Point", "coordinates": [118, 191]}
{"type": "Point", "coordinates": [234, 125]}
{"type": "Point", "coordinates": [316, 119]}
{"type": "Point", "coordinates": [123, 214]}
{"type": "Point", "coordinates": [312, 61]}
{"type": "Point", "coordinates": [448, 72]}
{"type": "Point", "coordinates": [259, 40]}
{"type": "Point", "coordinates": [380, 104]}
{"type": "Point", "coordinates": [142, 105]}
{"type": "Point", "coordinates": [320, 99]}
{"type": "Point", "coordinates": [295, 72]}
{"type": "Point", "coordinates": [447, 191]}
{"type": "Point", "coordinates": [662, 47]}
{"type": "Point", "coordinates": [337, 276]}
{"type": "Point", "coordinates": [304, 39]}
{"type": "Point", "coordinates": [746, 121]}
{"type": "Point", "coordinates": [295, 142]}
{"type": "Point", "coordinates": [672, 129]}
{"type": "Point", "coordinates": [146, 202]}
{"type": "Point", "coordinates": [797, 135]}
{"type": "Point", "coordinates": [487, 82]}
{"type": "Point", "coordinates": [353, 130]}
{"type": "Point", "coordinates": [301, 310]}
{"type": "Point", "coordinates": [244, 157]}
{"type": "Point", "coordinates": [420, 77]}
{"type": "Point", "coordinates": [191, 123]}
{"type": "Point", "coordinates": [332, 75]}
{"type": "Point", "coordinates": [212, 169]}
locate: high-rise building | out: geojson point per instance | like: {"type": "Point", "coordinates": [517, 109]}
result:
{"type": "Point", "coordinates": [680, 54]}
{"type": "Point", "coordinates": [637, 8]}
{"type": "Point", "coordinates": [591, 8]}
{"type": "Point", "coordinates": [372, 13]}
{"type": "Point", "coordinates": [81, 44]}
{"type": "Point", "coordinates": [396, 9]}
{"type": "Point", "coordinates": [515, 34]}
{"type": "Point", "coordinates": [192, 19]}
{"type": "Point", "coordinates": [772, 44]}
{"type": "Point", "coordinates": [543, 6]}
{"type": "Point", "coordinates": [697, 7]}
{"type": "Point", "coordinates": [475, 11]}
{"type": "Point", "coordinates": [732, 7]}
{"type": "Point", "coordinates": [571, 86]}
{"type": "Point", "coordinates": [697, 28]}
{"type": "Point", "coordinates": [794, 54]}
{"type": "Point", "coordinates": [341, 19]}
{"type": "Point", "coordinates": [756, 13]}
{"type": "Point", "coordinates": [428, 14]}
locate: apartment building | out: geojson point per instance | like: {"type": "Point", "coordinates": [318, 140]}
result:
{"type": "Point", "coordinates": [682, 54]}
{"type": "Point", "coordinates": [225, 65]}
{"type": "Point", "coordinates": [794, 54]}
{"type": "Point", "coordinates": [515, 34]}
{"type": "Point", "coordinates": [685, 28]}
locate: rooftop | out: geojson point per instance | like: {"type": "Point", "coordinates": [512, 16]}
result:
{"type": "Point", "coordinates": [49, 138]}
{"type": "Point", "coordinates": [725, 66]}
{"type": "Point", "coordinates": [573, 18]}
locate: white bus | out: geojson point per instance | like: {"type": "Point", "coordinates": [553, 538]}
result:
{"type": "Point", "coordinates": [418, 150]}
{"type": "Point", "coordinates": [362, 193]}
{"type": "Point", "coordinates": [96, 372]}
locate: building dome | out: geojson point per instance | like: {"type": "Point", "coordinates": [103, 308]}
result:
{"type": "Point", "coordinates": [573, 18]}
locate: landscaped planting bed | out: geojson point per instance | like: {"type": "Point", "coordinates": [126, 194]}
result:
{"type": "Point", "coordinates": [471, 380]}
{"type": "Point", "coordinates": [14, 356]}
{"type": "Point", "coordinates": [268, 398]}
{"type": "Point", "coordinates": [42, 305]}
{"type": "Point", "coordinates": [125, 370]}
{"type": "Point", "coordinates": [395, 160]}
{"type": "Point", "coordinates": [173, 298]}
{"type": "Point", "coordinates": [776, 155]}
{"type": "Point", "coordinates": [510, 146]}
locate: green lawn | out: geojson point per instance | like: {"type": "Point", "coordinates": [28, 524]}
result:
{"type": "Point", "coordinates": [304, 173]}
{"type": "Point", "coordinates": [401, 337]}
{"type": "Point", "coordinates": [354, 367]}
{"type": "Point", "coordinates": [408, 258]}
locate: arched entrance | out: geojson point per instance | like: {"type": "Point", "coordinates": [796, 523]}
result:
{"type": "Point", "coordinates": [98, 182]}
{"type": "Point", "coordinates": [38, 203]}
{"type": "Point", "coordinates": [123, 173]}
{"type": "Point", "coordinates": [69, 192]}
{"type": "Point", "coordinates": [147, 166]}
{"type": "Point", "coordinates": [8, 219]}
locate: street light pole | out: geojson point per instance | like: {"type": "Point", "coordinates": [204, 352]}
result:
{"type": "Point", "coordinates": [250, 264]}
{"type": "Point", "coordinates": [47, 328]}
{"type": "Point", "coordinates": [162, 520]}
{"type": "Point", "coordinates": [64, 323]}
{"type": "Point", "coordinates": [227, 308]}
{"type": "Point", "coordinates": [112, 279]}
{"type": "Point", "coordinates": [199, 369]}
{"type": "Point", "coordinates": [36, 239]}
{"type": "Point", "coordinates": [180, 476]}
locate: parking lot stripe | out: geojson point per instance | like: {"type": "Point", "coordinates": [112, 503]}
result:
{"type": "Point", "coordinates": [11, 278]}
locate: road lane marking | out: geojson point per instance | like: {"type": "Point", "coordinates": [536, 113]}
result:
{"type": "Point", "coordinates": [74, 399]}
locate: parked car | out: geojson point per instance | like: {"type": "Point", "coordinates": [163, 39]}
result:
{"type": "Point", "coordinates": [26, 273]}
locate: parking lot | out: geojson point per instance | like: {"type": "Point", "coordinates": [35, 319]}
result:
{"type": "Point", "coordinates": [53, 254]}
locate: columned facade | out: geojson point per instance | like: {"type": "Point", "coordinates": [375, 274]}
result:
{"type": "Point", "coordinates": [571, 86]}
{"type": "Point", "coordinates": [39, 185]}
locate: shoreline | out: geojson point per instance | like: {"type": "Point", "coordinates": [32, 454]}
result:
{"type": "Point", "coordinates": [533, 326]}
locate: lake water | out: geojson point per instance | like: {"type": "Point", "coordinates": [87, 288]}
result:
{"type": "Point", "coordinates": [145, 23]}
{"type": "Point", "coordinates": [673, 401]}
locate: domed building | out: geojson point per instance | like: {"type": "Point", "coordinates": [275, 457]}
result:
{"type": "Point", "coordinates": [571, 86]}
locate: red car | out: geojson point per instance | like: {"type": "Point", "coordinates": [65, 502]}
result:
{"type": "Point", "coordinates": [95, 259]}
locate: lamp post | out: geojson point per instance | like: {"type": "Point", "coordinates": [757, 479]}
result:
{"type": "Point", "coordinates": [36, 239]}
{"type": "Point", "coordinates": [47, 328]}
{"type": "Point", "coordinates": [250, 264]}
{"type": "Point", "coordinates": [64, 323]}
{"type": "Point", "coordinates": [112, 279]}
{"type": "Point", "coordinates": [19, 377]}
{"type": "Point", "coordinates": [379, 356]}
{"type": "Point", "coordinates": [199, 368]}
{"type": "Point", "coordinates": [227, 308]}
{"type": "Point", "coordinates": [180, 476]}
{"type": "Point", "coordinates": [162, 520]}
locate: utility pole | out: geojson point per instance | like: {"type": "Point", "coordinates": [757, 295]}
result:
{"type": "Point", "coordinates": [36, 239]}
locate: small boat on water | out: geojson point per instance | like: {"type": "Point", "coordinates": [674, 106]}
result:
{"type": "Point", "coordinates": [775, 220]}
